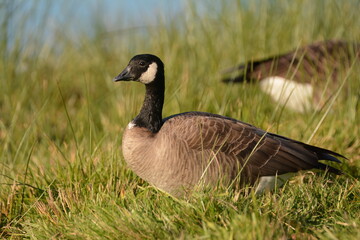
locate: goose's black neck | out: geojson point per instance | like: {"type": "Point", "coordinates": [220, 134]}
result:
{"type": "Point", "coordinates": [150, 115]}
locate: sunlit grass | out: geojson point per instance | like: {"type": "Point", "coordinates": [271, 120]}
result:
{"type": "Point", "coordinates": [62, 173]}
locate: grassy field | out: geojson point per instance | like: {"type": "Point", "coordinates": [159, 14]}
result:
{"type": "Point", "coordinates": [62, 173]}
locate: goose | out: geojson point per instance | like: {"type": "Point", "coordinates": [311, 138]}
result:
{"type": "Point", "coordinates": [303, 79]}
{"type": "Point", "coordinates": [190, 149]}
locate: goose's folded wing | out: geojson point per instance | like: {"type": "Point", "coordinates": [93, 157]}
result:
{"type": "Point", "coordinates": [261, 152]}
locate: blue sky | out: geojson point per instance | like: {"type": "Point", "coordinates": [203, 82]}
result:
{"type": "Point", "coordinates": [74, 18]}
{"type": "Point", "coordinates": [130, 12]}
{"type": "Point", "coordinates": [77, 16]}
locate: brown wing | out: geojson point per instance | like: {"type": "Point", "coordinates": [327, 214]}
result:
{"type": "Point", "coordinates": [318, 59]}
{"type": "Point", "coordinates": [260, 153]}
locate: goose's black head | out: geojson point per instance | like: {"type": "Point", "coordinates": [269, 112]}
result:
{"type": "Point", "coordinates": [144, 68]}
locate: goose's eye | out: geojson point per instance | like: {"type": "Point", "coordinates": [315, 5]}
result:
{"type": "Point", "coordinates": [142, 63]}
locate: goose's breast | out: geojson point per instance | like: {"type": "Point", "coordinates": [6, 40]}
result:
{"type": "Point", "coordinates": [161, 159]}
{"type": "Point", "coordinates": [137, 146]}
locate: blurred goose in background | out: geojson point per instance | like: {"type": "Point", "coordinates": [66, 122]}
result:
{"type": "Point", "coordinates": [183, 150]}
{"type": "Point", "coordinates": [302, 79]}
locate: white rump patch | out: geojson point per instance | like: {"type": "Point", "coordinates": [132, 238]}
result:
{"type": "Point", "coordinates": [131, 125]}
{"type": "Point", "coordinates": [296, 96]}
{"type": "Point", "coordinates": [149, 75]}
{"type": "Point", "coordinates": [268, 183]}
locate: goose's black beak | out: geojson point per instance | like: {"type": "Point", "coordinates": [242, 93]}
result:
{"type": "Point", "coordinates": [125, 75]}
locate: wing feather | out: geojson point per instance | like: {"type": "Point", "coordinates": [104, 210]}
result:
{"type": "Point", "coordinates": [239, 144]}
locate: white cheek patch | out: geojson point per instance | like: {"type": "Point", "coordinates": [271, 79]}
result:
{"type": "Point", "coordinates": [149, 75]}
{"type": "Point", "coordinates": [296, 96]}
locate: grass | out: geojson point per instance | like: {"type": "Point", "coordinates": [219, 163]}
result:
{"type": "Point", "coordinates": [62, 173]}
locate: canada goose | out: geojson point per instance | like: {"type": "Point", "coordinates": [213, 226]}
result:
{"type": "Point", "coordinates": [177, 152]}
{"type": "Point", "coordinates": [299, 79]}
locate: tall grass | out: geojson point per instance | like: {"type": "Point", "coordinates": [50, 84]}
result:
{"type": "Point", "coordinates": [62, 173]}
